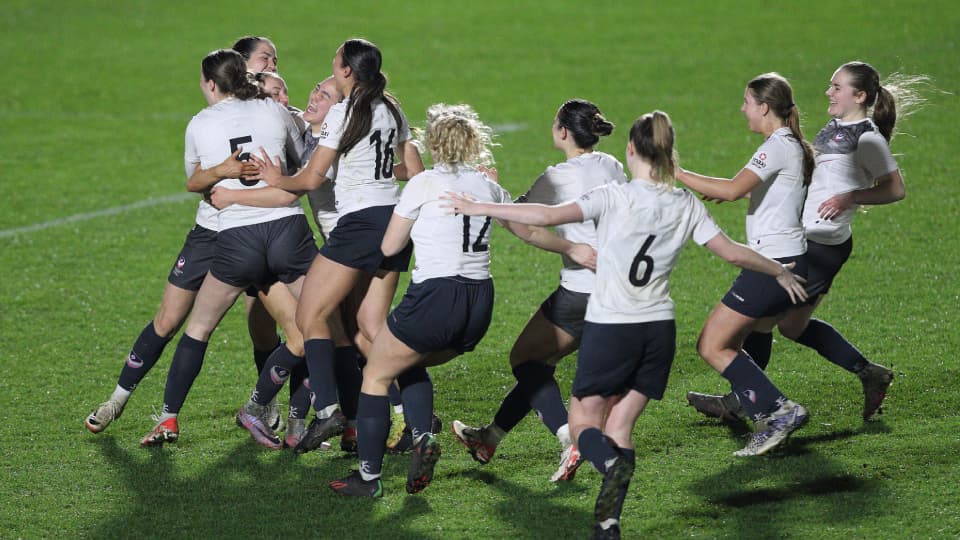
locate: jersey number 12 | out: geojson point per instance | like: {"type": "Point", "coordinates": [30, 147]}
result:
{"type": "Point", "coordinates": [477, 244]}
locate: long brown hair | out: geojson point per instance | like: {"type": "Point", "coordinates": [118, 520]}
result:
{"type": "Point", "coordinates": [774, 90]}
{"type": "Point", "coordinates": [370, 84]}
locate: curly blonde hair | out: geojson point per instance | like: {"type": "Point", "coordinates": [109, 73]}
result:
{"type": "Point", "coordinates": [455, 136]}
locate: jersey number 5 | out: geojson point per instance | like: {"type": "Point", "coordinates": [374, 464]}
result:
{"type": "Point", "coordinates": [244, 156]}
{"type": "Point", "coordinates": [384, 165]}
{"type": "Point", "coordinates": [477, 244]}
{"type": "Point", "coordinates": [647, 262]}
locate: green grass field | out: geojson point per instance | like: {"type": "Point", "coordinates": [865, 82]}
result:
{"type": "Point", "coordinates": [91, 216]}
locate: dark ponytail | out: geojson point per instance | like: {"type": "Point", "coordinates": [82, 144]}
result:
{"type": "Point", "coordinates": [585, 121]}
{"type": "Point", "coordinates": [370, 84]}
{"type": "Point", "coordinates": [653, 138]}
{"type": "Point", "coordinates": [774, 90]}
{"type": "Point", "coordinates": [228, 70]}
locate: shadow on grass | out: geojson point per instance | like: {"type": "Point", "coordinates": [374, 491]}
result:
{"type": "Point", "coordinates": [534, 514]}
{"type": "Point", "coordinates": [790, 492]}
{"type": "Point", "coordinates": [244, 494]}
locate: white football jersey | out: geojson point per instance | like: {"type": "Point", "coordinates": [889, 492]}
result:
{"type": "Point", "coordinates": [773, 217]}
{"type": "Point", "coordinates": [217, 131]}
{"type": "Point", "coordinates": [566, 182]}
{"type": "Point", "coordinates": [365, 173]}
{"type": "Point", "coordinates": [322, 199]}
{"type": "Point", "coordinates": [850, 156]}
{"type": "Point", "coordinates": [642, 227]}
{"type": "Point", "coordinates": [444, 244]}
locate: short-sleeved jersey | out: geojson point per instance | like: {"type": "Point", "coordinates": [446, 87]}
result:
{"type": "Point", "coordinates": [641, 228]}
{"type": "Point", "coordinates": [850, 156]}
{"type": "Point", "coordinates": [773, 217]}
{"type": "Point", "coordinates": [566, 182]}
{"type": "Point", "coordinates": [365, 173]}
{"type": "Point", "coordinates": [322, 200]}
{"type": "Point", "coordinates": [444, 244]}
{"type": "Point", "coordinates": [215, 132]}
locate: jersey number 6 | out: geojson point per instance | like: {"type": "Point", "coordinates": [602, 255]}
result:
{"type": "Point", "coordinates": [646, 260]}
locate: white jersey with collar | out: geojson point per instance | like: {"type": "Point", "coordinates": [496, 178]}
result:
{"type": "Point", "coordinates": [444, 244]}
{"type": "Point", "coordinates": [850, 156]}
{"type": "Point", "coordinates": [365, 173]}
{"type": "Point", "coordinates": [254, 124]}
{"type": "Point", "coordinates": [566, 182]}
{"type": "Point", "coordinates": [642, 227]}
{"type": "Point", "coordinates": [773, 217]}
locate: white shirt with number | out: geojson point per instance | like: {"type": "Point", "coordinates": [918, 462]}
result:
{"type": "Point", "coordinates": [254, 124]}
{"type": "Point", "coordinates": [565, 182]}
{"type": "Point", "coordinates": [850, 156]}
{"type": "Point", "coordinates": [365, 173]}
{"type": "Point", "coordinates": [773, 217]}
{"type": "Point", "coordinates": [642, 227]}
{"type": "Point", "coordinates": [444, 244]}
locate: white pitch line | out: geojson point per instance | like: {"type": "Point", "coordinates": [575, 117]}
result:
{"type": "Point", "coordinates": [16, 231]}
{"type": "Point", "coordinates": [7, 233]}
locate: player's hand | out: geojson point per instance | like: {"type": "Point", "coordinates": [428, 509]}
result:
{"type": "Point", "coordinates": [584, 255]}
{"type": "Point", "coordinates": [268, 169]}
{"type": "Point", "coordinates": [460, 203]}
{"type": "Point", "coordinates": [491, 172]}
{"type": "Point", "coordinates": [221, 197]}
{"type": "Point", "coordinates": [792, 283]}
{"type": "Point", "coordinates": [232, 167]}
{"type": "Point", "coordinates": [836, 205]}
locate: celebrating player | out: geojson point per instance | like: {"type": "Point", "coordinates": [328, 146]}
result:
{"type": "Point", "coordinates": [628, 339]}
{"type": "Point", "coordinates": [256, 245]}
{"type": "Point", "coordinates": [775, 180]}
{"type": "Point", "coordinates": [854, 166]}
{"type": "Point", "coordinates": [364, 133]}
{"type": "Point", "coordinates": [554, 330]}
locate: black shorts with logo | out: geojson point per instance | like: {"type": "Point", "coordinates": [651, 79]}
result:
{"type": "Point", "coordinates": [758, 295]}
{"type": "Point", "coordinates": [193, 262]}
{"type": "Point", "coordinates": [565, 310]}
{"type": "Point", "coordinates": [617, 358]}
{"type": "Point", "coordinates": [264, 253]}
{"type": "Point", "coordinates": [824, 262]}
{"type": "Point", "coordinates": [445, 313]}
{"type": "Point", "coordinates": [355, 242]}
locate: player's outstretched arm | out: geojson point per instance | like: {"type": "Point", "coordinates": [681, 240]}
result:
{"type": "Point", "coordinates": [527, 213]}
{"type": "Point", "coordinates": [888, 189]}
{"type": "Point", "coordinates": [306, 179]}
{"type": "Point", "coordinates": [547, 240]}
{"type": "Point", "coordinates": [720, 189]}
{"type": "Point", "coordinates": [266, 197]}
{"type": "Point", "coordinates": [744, 257]}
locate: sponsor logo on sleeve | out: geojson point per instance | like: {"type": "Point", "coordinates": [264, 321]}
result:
{"type": "Point", "coordinates": [324, 132]}
{"type": "Point", "coordinates": [760, 160]}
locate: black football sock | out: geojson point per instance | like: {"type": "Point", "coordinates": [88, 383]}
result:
{"type": "Point", "coordinates": [275, 374]}
{"type": "Point", "coordinates": [373, 426]}
{"type": "Point", "coordinates": [514, 408]}
{"type": "Point", "coordinates": [543, 393]}
{"type": "Point", "coordinates": [323, 381]}
{"type": "Point", "coordinates": [143, 356]}
{"type": "Point", "coordinates": [186, 364]}
{"type": "Point", "coordinates": [826, 340]}
{"type": "Point", "coordinates": [596, 448]}
{"type": "Point", "coordinates": [757, 393]}
{"type": "Point", "coordinates": [759, 345]}
{"type": "Point", "coordinates": [299, 392]}
{"type": "Point", "coordinates": [260, 356]}
{"type": "Point", "coordinates": [349, 379]}
{"type": "Point", "coordinates": [393, 391]}
{"type": "Point", "coordinates": [416, 391]}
